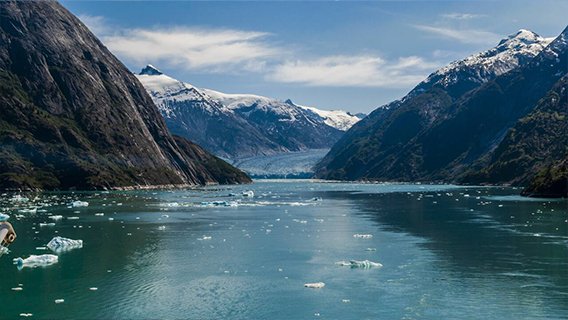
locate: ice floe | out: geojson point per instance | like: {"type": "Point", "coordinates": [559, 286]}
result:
{"type": "Point", "coordinates": [248, 193]}
{"type": "Point", "coordinates": [36, 261]}
{"type": "Point", "coordinates": [365, 264]}
{"type": "Point", "coordinates": [60, 244]}
{"type": "Point", "coordinates": [4, 217]}
{"type": "Point", "coordinates": [317, 285]}
{"type": "Point", "coordinates": [78, 203]}
{"type": "Point", "coordinates": [362, 235]}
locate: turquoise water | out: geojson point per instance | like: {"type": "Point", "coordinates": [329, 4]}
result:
{"type": "Point", "coordinates": [447, 252]}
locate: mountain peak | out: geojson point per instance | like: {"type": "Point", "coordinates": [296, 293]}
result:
{"type": "Point", "coordinates": [522, 36]}
{"type": "Point", "coordinates": [288, 101]}
{"type": "Point", "coordinates": [151, 71]}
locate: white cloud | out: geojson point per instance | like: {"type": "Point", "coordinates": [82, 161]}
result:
{"type": "Point", "coordinates": [227, 51]}
{"type": "Point", "coordinates": [206, 50]}
{"type": "Point", "coordinates": [464, 36]}
{"type": "Point", "coordinates": [463, 16]}
{"type": "Point", "coordinates": [97, 24]}
{"type": "Point", "coordinates": [353, 71]}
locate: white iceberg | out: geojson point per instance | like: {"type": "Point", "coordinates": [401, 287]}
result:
{"type": "Point", "coordinates": [4, 217]}
{"type": "Point", "coordinates": [362, 236]}
{"type": "Point", "coordinates": [248, 193]}
{"type": "Point", "coordinates": [19, 198]}
{"type": "Point", "coordinates": [36, 261]}
{"type": "Point", "coordinates": [365, 264]}
{"type": "Point", "coordinates": [56, 217]}
{"type": "Point", "coordinates": [317, 285]}
{"type": "Point", "coordinates": [60, 244]}
{"type": "Point", "coordinates": [79, 203]}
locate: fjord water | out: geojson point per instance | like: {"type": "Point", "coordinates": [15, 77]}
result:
{"type": "Point", "coordinates": [447, 252]}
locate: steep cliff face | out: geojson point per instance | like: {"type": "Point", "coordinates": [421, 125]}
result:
{"type": "Point", "coordinates": [551, 182]}
{"type": "Point", "coordinates": [538, 140]}
{"type": "Point", "coordinates": [450, 124]}
{"type": "Point", "coordinates": [72, 116]}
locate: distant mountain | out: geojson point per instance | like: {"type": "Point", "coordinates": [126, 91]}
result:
{"type": "Point", "coordinates": [191, 113]}
{"type": "Point", "coordinates": [242, 125]}
{"type": "Point", "coordinates": [72, 116]}
{"type": "Point", "coordinates": [457, 116]}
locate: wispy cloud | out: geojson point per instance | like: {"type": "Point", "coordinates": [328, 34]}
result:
{"type": "Point", "coordinates": [210, 50]}
{"type": "Point", "coordinates": [462, 16]}
{"type": "Point", "coordinates": [353, 71]}
{"type": "Point", "coordinates": [463, 35]}
{"type": "Point", "coordinates": [97, 24]}
{"type": "Point", "coordinates": [228, 51]}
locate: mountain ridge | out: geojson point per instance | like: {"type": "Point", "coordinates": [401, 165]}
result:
{"type": "Point", "coordinates": [242, 125]}
{"type": "Point", "coordinates": [74, 117]}
{"type": "Point", "coordinates": [436, 131]}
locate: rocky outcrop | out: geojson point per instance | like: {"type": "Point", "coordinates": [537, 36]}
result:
{"type": "Point", "coordinates": [72, 116]}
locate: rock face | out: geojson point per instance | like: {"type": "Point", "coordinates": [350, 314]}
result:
{"type": "Point", "coordinates": [450, 125]}
{"type": "Point", "coordinates": [552, 182]}
{"type": "Point", "coordinates": [242, 125]}
{"type": "Point", "coordinates": [72, 116]}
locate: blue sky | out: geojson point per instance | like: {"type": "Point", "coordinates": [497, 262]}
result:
{"type": "Point", "coordinates": [353, 56]}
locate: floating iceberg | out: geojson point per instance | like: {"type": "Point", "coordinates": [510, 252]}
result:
{"type": "Point", "coordinates": [365, 264]}
{"type": "Point", "coordinates": [19, 198]}
{"type": "Point", "coordinates": [36, 261]}
{"type": "Point", "coordinates": [362, 235]}
{"type": "Point", "coordinates": [56, 217]}
{"type": "Point", "coordinates": [79, 203]}
{"type": "Point", "coordinates": [248, 193]}
{"type": "Point", "coordinates": [317, 285]}
{"type": "Point", "coordinates": [4, 217]}
{"type": "Point", "coordinates": [3, 250]}
{"type": "Point", "coordinates": [32, 210]}
{"type": "Point", "coordinates": [60, 244]}
{"type": "Point", "coordinates": [219, 204]}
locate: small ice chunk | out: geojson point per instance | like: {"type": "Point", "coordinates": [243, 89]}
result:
{"type": "Point", "coordinates": [59, 301]}
{"type": "Point", "coordinates": [56, 217]}
{"type": "Point", "coordinates": [78, 203]}
{"type": "Point", "coordinates": [72, 218]}
{"type": "Point", "coordinates": [26, 315]}
{"type": "Point", "coordinates": [17, 289]}
{"type": "Point", "coordinates": [93, 288]}
{"type": "Point", "coordinates": [371, 249]}
{"type": "Point", "coordinates": [362, 235]}
{"type": "Point", "coordinates": [4, 217]}
{"type": "Point", "coordinates": [365, 264]}
{"type": "Point", "coordinates": [100, 214]}
{"type": "Point", "coordinates": [248, 193]}
{"type": "Point", "coordinates": [317, 285]}
{"type": "Point", "coordinates": [59, 244]}
{"type": "Point", "coordinates": [43, 224]}
{"type": "Point", "coordinates": [162, 228]}
{"type": "Point", "coordinates": [36, 261]}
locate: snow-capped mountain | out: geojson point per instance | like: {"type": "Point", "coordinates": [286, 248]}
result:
{"type": "Point", "coordinates": [463, 75]}
{"type": "Point", "coordinates": [239, 125]}
{"type": "Point", "coordinates": [453, 120]}
{"type": "Point", "coordinates": [338, 119]}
